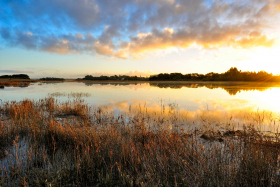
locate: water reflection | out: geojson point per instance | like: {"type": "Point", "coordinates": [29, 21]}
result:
{"type": "Point", "coordinates": [14, 84]}
{"type": "Point", "coordinates": [231, 87]}
{"type": "Point", "coordinates": [218, 100]}
{"type": "Point", "coordinates": [52, 82]}
{"type": "Point", "coordinates": [216, 115]}
{"type": "Point", "coordinates": [113, 84]}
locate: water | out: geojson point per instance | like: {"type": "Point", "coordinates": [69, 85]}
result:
{"type": "Point", "coordinates": [188, 105]}
{"type": "Point", "coordinates": [221, 101]}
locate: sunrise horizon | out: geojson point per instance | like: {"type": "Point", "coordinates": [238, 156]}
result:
{"type": "Point", "coordinates": [139, 93]}
{"type": "Point", "coordinates": [138, 38]}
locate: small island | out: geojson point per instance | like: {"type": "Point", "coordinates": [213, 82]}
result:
{"type": "Point", "coordinates": [52, 79]}
{"type": "Point", "coordinates": [15, 76]}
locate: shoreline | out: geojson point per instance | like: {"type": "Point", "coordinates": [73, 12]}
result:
{"type": "Point", "coordinates": [145, 81]}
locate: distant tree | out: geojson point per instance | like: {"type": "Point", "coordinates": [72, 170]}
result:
{"type": "Point", "coordinates": [51, 79]}
{"type": "Point", "coordinates": [15, 76]}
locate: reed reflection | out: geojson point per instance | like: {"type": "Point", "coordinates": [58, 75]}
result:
{"type": "Point", "coordinates": [14, 84]}
{"type": "Point", "coordinates": [215, 116]}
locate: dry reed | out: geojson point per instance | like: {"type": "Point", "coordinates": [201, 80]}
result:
{"type": "Point", "coordinates": [48, 143]}
{"type": "Point", "coordinates": [14, 84]}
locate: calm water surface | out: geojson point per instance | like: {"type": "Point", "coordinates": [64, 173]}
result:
{"type": "Point", "coordinates": [222, 100]}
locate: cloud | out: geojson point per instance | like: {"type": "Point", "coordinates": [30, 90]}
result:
{"type": "Point", "coordinates": [103, 49]}
{"type": "Point", "coordinates": [121, 54]}
{"type": "Point", "coordinates": [127, 28]}
{"type": "Point", "coordinates": [139, 73]}
{"type": "Point", "coordinates": [131, 73]}
{"type": "Point", "coordinates": [14, 71]}
{"type": "Point", "coordinates": [209, 39]}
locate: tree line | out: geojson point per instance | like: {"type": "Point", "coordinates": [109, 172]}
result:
{"type": "Point", "coordinates": [233, 74]}
{"type": "Point", "coordinates": [114, 77]}
{"type": "Point", "coordinates": [15, 76]}
{"type": "Point", "coordinates": [51, 79]}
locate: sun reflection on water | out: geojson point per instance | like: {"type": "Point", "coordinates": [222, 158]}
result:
{"type": "Point", "coordinates": [205, 103]}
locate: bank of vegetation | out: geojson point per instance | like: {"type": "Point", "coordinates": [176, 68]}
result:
{"type": "Point", "coordinates": [52, 143]}
{"type": "Point", "coordinates": [15, 76]}
{"type": "Point", "coordinates": [16, 81]}
{"type": "Point", "coordinates": [14, 84]}
{"type": "Point", "coordinates": [115, 78]}
{"type": "Point", "coordinates": [233, 74]}
{"type": "Point", "coordinates": [51, 79]}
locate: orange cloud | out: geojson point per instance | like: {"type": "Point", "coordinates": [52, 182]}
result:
{"type": "Point", "coordinates": [255, 41]}
{"type": "Point", "coordinates": [121, 54]}
{"type": "Point", "coordinates": [103, 49]}
{"type": "Point", "coordinates": [215, 38]}
{"type": "Point", "coordinates": [60, 47]}
{"type": "Point", "coordinates": [151, 25]}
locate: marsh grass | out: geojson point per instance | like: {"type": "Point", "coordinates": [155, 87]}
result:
{"type": "Point", "coordinates": [15, 83]}
{"type": "Point", "coordinates": [69, 95]}
{"type": "Point", "coordinates": [52, 143]}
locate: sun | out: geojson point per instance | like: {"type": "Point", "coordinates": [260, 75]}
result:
{"type": "Point", "coordinates": [263, 59]}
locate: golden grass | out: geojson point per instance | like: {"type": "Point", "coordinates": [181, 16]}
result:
{"type": "Point", "coordinates": [48, 143]}
{"type": "Point", "coordinates": [18, 80]}
{"type": "Point", "coordinates": [9, 83]}
{"type": "Point", "coordinates": [15, 82]}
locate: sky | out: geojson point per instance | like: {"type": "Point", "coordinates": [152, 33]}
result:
{"type": "Point", "coordinates": [74, 38]}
